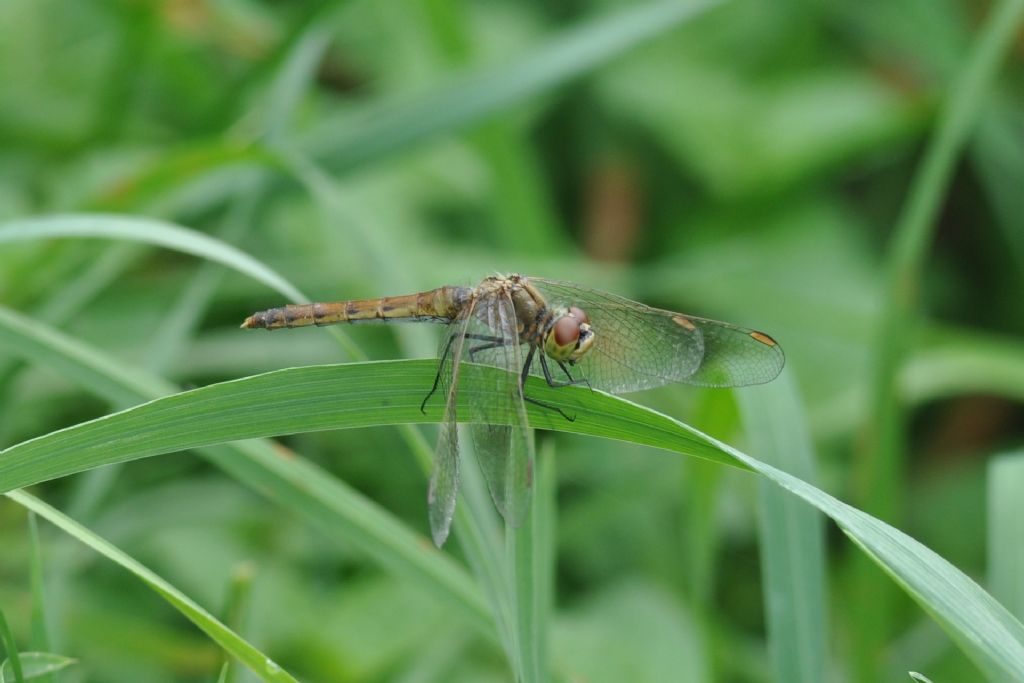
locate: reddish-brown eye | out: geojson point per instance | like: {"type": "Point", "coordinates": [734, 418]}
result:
{"type": "Point", "coordinates": [567, 330]}
{"type": "Point", "coordinates": [578, 314]}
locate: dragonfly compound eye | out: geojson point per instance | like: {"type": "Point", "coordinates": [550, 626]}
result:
{"type": "Point", "coordinates": [563, 338]}
{"type": "Point", "coordinates": [566, 331]}
{"type": "Point", "coordinates": [569, 338]}
{"type": "Point", "coordinates": [579, 314]}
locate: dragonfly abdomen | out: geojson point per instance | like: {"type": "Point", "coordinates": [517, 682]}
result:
{"type": "Point", "coordinates": [437, 305]}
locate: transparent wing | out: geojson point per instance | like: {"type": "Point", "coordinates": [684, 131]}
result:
{"type": "Point", "coordinates": [639, 347]}
{"type": "Point", "coordinates": [444, 479]}
{"type": "Point", "coordinates": [501, 433]}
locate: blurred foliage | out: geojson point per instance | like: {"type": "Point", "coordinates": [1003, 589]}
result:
{"type": "Point", "coordinates": [748, 165]}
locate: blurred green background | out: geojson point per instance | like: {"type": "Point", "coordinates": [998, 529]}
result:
{"type": "Point", "coordinates": [749, 163]}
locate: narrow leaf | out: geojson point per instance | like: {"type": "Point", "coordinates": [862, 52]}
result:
{"type": "Point", "coordinates": [259, 663]}
{"type": "Point", "coordinates": [35, 665]}
{"type": "Point", "coordinates": [13, 661]}
{"type": "Point", "coordinates": [336, 509]}
{"type": "Point", "coordinates": [792, 535]}
{"type": "Point", "coordinates": [364, 394]}
{"type": "Point", "coordinates": [1005, 531]}
{"type": "Point", "coordinates": [148, 230]}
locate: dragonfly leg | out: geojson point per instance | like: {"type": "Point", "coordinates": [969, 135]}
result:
{"type": "Point", "coordinates": [444, 357]}
{"type": "Point", "coordinates": [581, 380]}
{"type": "Point", "coordinates": [437, 377]}
{"type": "Point", "coordinates": [542, 404]}
{"type": "Point", "coordinates": [526, 367]}
{"type": "Point", "coordinates": [489, 343]}
{"type": "Point", "coordinates": [522, 384]}
{"type": "Point", "coordinates": [552, 382]}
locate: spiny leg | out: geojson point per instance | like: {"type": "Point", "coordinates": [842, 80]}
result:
{"type": "Point", "coordinates": [444, 356]}
{"type": "Point", "coordinates": [526, 373]}
{"type": "Point", "coordinates": [552, 382]}
{"type": "Point", "coordinates": [526, 367]}
{"type": "Point", "coordinates": [489, 343]}
{"type": "Point", "coordinates": [437, 377]}
{"type": "Point", "coordinates": [542, 404]}
{"type": "Point", "coordinates": [581, 380]}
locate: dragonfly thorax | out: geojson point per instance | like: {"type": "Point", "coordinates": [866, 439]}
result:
{"type": "Point", "coordinates": [569, 336]}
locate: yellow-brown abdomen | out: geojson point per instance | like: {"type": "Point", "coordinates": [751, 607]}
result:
{"type": "Point", "coordinates": [437, 305]}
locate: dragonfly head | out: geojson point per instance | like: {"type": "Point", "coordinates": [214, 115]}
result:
{"type": "Point", "coordinates": [570, 336]}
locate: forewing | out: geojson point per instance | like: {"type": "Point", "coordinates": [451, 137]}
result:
{"type": "Point", "coordinates": [639, 347]}
{"type": "Point", "coordinates": [500, 430]}
{"type": "Point", "coordinates": [444, 479]}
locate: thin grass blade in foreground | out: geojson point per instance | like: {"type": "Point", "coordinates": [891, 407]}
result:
{"type": "Point", "coordinates": [365, 394]}
{"type": "Point", "coordinates": [236, 606]}
{"type": "Point", "coordinates": [259, 663]}
{"type": "Point", "coordinates": [529, 560]}
{"type": "Point", "coordinates": [37, 666]}
{"type": "Point", "coordinates": [40, 621]}
{"type": "Point", "coordinates": [1005, 531]}
{"type": "Point", "coordinates": [13, 658]}
{"type": "Point", "coordinates": [792, 535]}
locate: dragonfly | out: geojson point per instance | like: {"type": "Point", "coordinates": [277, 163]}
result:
{"type": "Point", "coordinates": [562, 332]}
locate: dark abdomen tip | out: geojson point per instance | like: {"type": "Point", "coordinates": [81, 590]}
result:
{"type": "Point", "coordinates": [256, 320]}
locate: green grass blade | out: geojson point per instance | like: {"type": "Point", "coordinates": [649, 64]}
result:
{"type": "Point", "coordinates": [37, 666]}
{"type": "Point", "coordinates": [957, 363]}
{"type": "Point", "coordinates": [236, 606]}
{"type": "Point", "coordinates": [68, 299]}
{"type": "Point", "coordinates": [479, 536]}
{"type": "Point", "coordinates": [101, 373]}
{"type": "Point", "coordinates": [791, 534]}
{"type": "Point", "coordinates": [40, 622]}
{"type": "Point", "coordinates": [296, 73]}
{"type": "Point", "coordinates": [256, 661]}
{"type": "Point", "coordinates": [398, 124]}
{"type": "Point", "coordinates": [716, 413]}
{"type": "Point", "coordinates": [880, 477]}
{"type": "Point", "coordinates": [984, 630]}
{"type": "Point", "coordinates": [528, 556]}
{"type": "Point", "coordinates": [998, 159]}
{"type": "Point", "coordinates": [310, 399]}
{"type": "Point", "coordinates": [148, 230]}
{"type": "Point", "coordinates": [163, 234]}
{"type": "Point", "coordinates": [61, 304]}
{"type": "Point", "coordinates": [364, 394]}
{"type": "Point", "coordinates": [179, 323]}
{"type": "Point", "coordinates": [545, 552]}
{"type": "Point", "coordinates": [336, 509]}
{"type": "Point", "coordinates": [1005, 532]}
{"type": "Point", "coordinates": [13, 658]}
